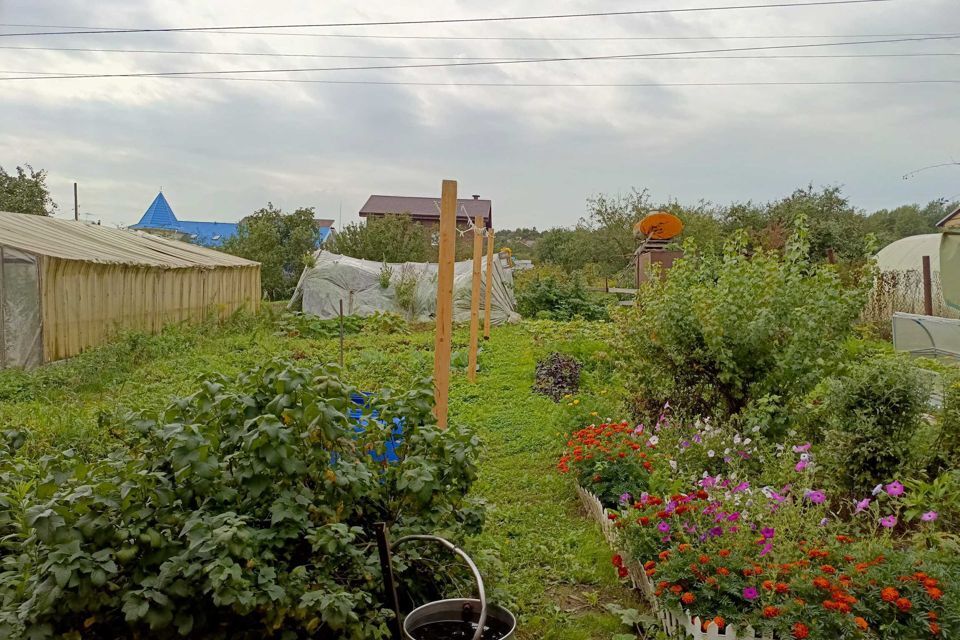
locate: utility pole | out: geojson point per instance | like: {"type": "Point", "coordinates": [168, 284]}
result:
{"type": "Point", "coordinates": [76, 207]}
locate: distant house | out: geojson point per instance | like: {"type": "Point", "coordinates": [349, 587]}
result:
{"type": "Point", "coordinates": [427, 210]}
{"type": "Point", "coordinates": [951, 220]}
{"type": "Point", "coordinates": [160, 220]}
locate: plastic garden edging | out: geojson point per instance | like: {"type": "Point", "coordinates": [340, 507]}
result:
{"type": "Point", "coordinates": [677, 624]}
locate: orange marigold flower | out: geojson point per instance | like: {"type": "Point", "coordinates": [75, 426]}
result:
{"type": "Point", "coordinates": [720, 622]}
{"type": "Point", "coordinates": [676, 588]}
{"type": "Point", "coordinates": [781, 587]}
{"type": "Point", "coordinates": [934, 628]}
{"type": "Point", "coordinates": [723, 571]}
{"type": "Point", "coordinates": [800, 630]}
{"type": "Point", "coordinates": [684, 547]}
{"type": "Point", "coordinates": [934, 593]}
{"type": "Point", "coordinates": [930, 582]}
{"type": "Point", "coordinates": [711, 581]}
{"type": "Point", "coordinates": [687, 598]}
{"type": "Point", "coordinates": [904, 604]}
{"type": "Point", "coordinates": [723, 553]}
{"type": "Point", "coordinates": [704, 559]}
{"type": "Point", "coordinates": [889, 594]}
{"type": "Point", "coordinates": [933, 615]}
{"type": "Point", "coordinates": [770, 611]}
{"type": "Point", "coordinates": [767, 584]}
{"type": "Point", "coordinates": [861, 623]}
{"type": "Point", "coordinates": [663, 555]}
{"type": "Point", "coordinates": [821, 583]}
{"type": "Point", "coordinates": [828, 569]}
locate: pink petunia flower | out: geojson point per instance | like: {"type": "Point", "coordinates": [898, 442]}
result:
{"type": "Point", "coordinates": [816, 497]}
{"type": "Point", "coordinates": [889, 521]}
{"type": "Point", "coordinates": [929, 516]}
{"type": "Point", "coordinates": [863, 505]}
{"type": "Point", "coordinates": [894, 489]}
{"type": "Point", "coordinates": [801, 448]}
{"type": "Point", "coordinates": [801, 465]}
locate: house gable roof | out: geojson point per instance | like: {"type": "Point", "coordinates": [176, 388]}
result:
{"type": "Point", "coordinates": [426, 208]}
{"type": "Point", "coordinates": [950, 216]}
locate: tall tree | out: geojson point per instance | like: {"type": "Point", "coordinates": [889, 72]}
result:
{"type": "Point", "coordinates": [282, 243]}
{"type": "Point", "coordinates": [387, 239]}
{"type": "Point", "coordinates": [26, 192]}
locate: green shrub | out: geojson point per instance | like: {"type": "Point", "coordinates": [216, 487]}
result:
{"type": "Point", "coordinates": [545, 293]}
{"type": "Point", "coordinates": [873, 415]}
{"type": "Point", "coordinates": [730, 334]}
{"type": "Point", "coordinates": [246, 513]}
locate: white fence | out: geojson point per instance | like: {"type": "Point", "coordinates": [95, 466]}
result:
{"type": "Point", "coordinates": [677, 624]}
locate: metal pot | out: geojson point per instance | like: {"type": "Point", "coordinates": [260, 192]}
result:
{"type": "Point", "coordinates": [500, 623]}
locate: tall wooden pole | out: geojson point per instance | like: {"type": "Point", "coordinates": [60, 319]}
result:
{"type": "Point", "coordinates": [927, 288]}
{"type": "Point", "coordinates": [442, 342]}
{"type": "Point", "coordinates": [488, 292]}
{"type": "Point", "coordinates": [76, 206]}
{"type": "Point", "coordinates": [475, 298]}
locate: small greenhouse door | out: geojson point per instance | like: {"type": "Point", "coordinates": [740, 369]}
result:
{"type": "Point", "coordinates": [21, 344]}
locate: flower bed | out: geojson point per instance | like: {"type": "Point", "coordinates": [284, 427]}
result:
{"type": "Point", "coordinates": [719, 557]}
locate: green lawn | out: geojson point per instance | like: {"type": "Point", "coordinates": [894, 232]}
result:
{"type": "Point", "coordinates": [554, 569]}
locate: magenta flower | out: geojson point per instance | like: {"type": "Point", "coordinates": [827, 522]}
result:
{"type": "Point", "coordinates": [889, 521]}
{"type": "Point", "coordinates": [862, 505]}
{"type": "Point", "coordinates": [767, 532]}
{"type": "Point", "coordinates": [743, 486]}
{"type": "Point", "coordinates": [801, 465]}
{"type": "Point", "coordinates": [894, 489]}
{"type": "Point", "coordinates": [816, 497]}
{"type": "Point", "coordinates": [708, 482]}
{"type": "Point", "coordinates": [733, 517]}
{"type": "Point", "coordinates": [664, 527]}
{"type": "Point", "coordinates": [801, 448]}
{"type": "Point", "coordinates": [929, 516]}
{"type": "Point", "coordinates": [750, 593]}
{"type": "Point", "coordinates": [766, 549]}
{"type": "Point", "coordinates": [625, 498]}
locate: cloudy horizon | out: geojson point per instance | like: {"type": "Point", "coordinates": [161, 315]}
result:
{"type": "Point", "coordinates": [221, 149]}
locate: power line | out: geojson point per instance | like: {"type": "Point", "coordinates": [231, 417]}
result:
{"type": "Point", "coordinates": [94, 30]}
{"type": "Point", "coordinates": [258, 54]}
{"type": "Point", "coordinates": [435, 65]}
{"type": "Point", "coordinates": [776, 83]}
{"type": "Point", "coordinates": [385, 23]}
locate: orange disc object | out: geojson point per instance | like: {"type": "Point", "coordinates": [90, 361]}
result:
{"type": "Point", "coordinates": [660, 225]}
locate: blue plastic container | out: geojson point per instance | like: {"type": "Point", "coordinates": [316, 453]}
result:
{"type": "Point", "coordinates": [361, 421]}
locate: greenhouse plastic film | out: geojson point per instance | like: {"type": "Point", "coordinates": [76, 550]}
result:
{"type": "Point", "coordinates": [20, 334]}
{"type": "Point", "coordinates": [410, 292]}
{"type": "Point", "coordinates": [926, 335]}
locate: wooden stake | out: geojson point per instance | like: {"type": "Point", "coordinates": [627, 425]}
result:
{"type": "Point", "coordinates": [831, 257]}
{"type": "Point", "coordinates": [341, 334]}
{"type": "Point", "coordinates": [76, 205]}
{"type": "Point", "coordinates": [488, 293]}
{"type": "Point", "coordinates": [927, 288]}
{"type": "Point", "coordinates": [442, 341]}
{"type": "Point", "coordinates": [475, 298]}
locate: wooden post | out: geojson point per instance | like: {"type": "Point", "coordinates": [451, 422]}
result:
{"type": "Point", "coordinates": [475, 298]}
{"type": "Point", "coordinates": [927, 288]}
{"type": "Point", "coordinates": [831, 257]}
{"type": "Point", "coordinates": [389, 583]}
{"type": "Point", "coordinates": [488, 293]}
{"type": "Point", "coordinates": [341, 334]}
{"type": "Point", "coordinates": [76, 206]}
{"type": "Point", "coordinates": [442, 340]}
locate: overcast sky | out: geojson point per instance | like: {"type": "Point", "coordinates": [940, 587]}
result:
{"type": "Point", "coordinates": [220, 149]}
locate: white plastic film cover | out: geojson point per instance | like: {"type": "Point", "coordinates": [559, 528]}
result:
{"type": "Point", "coordinates": [926, 335]}
{"type": "Point", "coordinates": [411, 289]}
{"type": "Point", "coordinates": [20, 334]}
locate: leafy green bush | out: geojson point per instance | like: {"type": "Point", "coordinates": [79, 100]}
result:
{"type": "Point", "coordinates": [557, 375]}
{"type": "Point", "coordinates": [547, 294]}
{"type": "Point", "coordinates": [873, 415]}
{"type": "Point", "coordinates": [730, 334]}
{"type": "Point", "coordinates": [246, 513]}
{"type": "Point", "coordinates": [386, 239]}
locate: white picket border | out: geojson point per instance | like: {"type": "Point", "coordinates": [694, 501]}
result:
{"type": "Point", "coordinates": [675, 622]}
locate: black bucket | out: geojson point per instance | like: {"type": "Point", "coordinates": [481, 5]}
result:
{"type": "Point", "coordinates": [457, 619]}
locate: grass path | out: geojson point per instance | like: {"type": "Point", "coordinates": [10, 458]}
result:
{"type": "Point", "coordinates": [557, 570]}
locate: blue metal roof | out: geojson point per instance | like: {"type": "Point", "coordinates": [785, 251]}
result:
{"type": "Point", "coordinates": [159, 215]}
